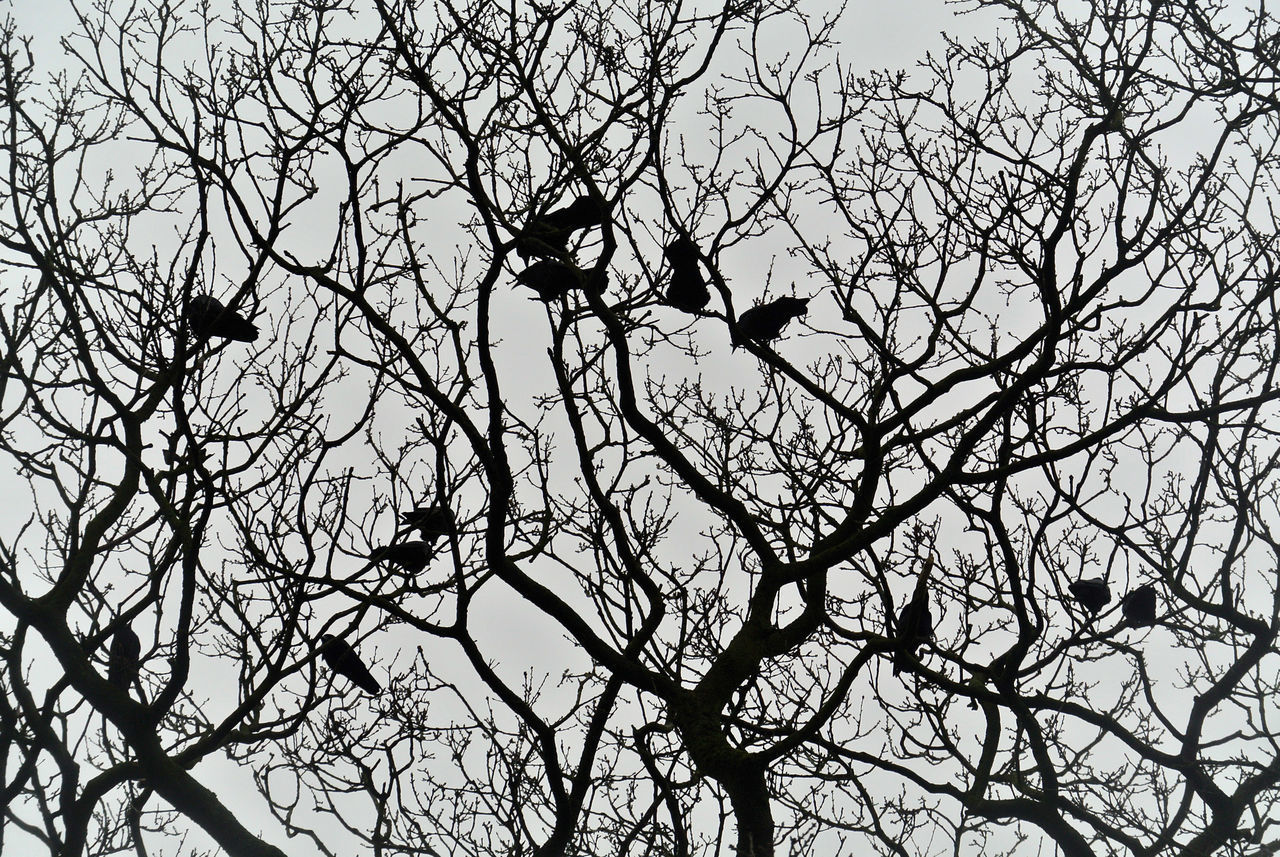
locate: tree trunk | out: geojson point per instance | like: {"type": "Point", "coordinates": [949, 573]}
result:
{"type": "Point", "coordinates": [750, 800]}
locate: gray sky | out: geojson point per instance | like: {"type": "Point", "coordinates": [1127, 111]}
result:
{"type": "Point", "coordinates": [878, 34]}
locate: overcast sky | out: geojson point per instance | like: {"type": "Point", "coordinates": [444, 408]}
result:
{"type": "Point", "coordinates": [877, 33]}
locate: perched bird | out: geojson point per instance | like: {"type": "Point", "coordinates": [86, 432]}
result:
{"type": "Point", "coordinates": [549, 234]}
{"type": "Point", "coordinates": [553, 280]}
{"type": "Point", "coordinates": [207, 317]}
{"type": "Point", "coordinates": [764, 323]}
{"type": "Point", "coordinates": [343, 660]}
{"type": "Point", "coordinates": [583, 213]}
{"type": "Point", "coordinates": [1139, 607]}
{"type": "Point", "coordinates": [413, 557]}
{"type": "Point", "coordinates": [124, 658]}
{"type": "Point", "coordinates": [915, 622]}
{"type": "Point", "coordinates": [687, 290]}
{"type": "Point", "coordinates": [434, 521]}
{"type": "Point", "coordinates": [1093, 594]}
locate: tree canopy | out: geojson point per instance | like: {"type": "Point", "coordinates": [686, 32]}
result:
{"type": "Point", "coordinates": [444, 427]}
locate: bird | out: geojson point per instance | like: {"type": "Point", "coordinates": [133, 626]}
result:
{"type": "Point", "coordinates": [1093, 594]}
{"type": "Point", "coordinates": [207, 317]}
{"type": "Point", "coordinates": [344, 661]}
{"type": "Point", "coordinates": [549, 234]}
{"type": "Point", "coordinates": [432, 521]}
{"type": "Point", "coordinates": [124, 658]}
{"type": "Point", "coordinates": [764, 323]}
{"type": "Point", "coordinates": [915, 622]}
{"type": "Point", "coordinates": [583, 213]}
{"type": "Point", "coordinates": [413, 557]}
{"type": "Point", "coordinates": [687, 290]}
{"type": "Point", "coordinates": [1139, 607]}
{"type": "Point", "coordinates": [551, 279]}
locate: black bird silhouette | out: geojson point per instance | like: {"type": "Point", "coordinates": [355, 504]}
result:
{"type": "Point", "coordinates": [915, 622]}
{"type": "Point", "coordinates": [551, 279]}
{"type": "Point", "coordinates": [343, 660]}
{"type": "Point", "coordinates": [434, 521]}
{"type": "Point", "coordinates": [1139, 607]}
{"type": "Point", "coordinates": [124, 658]}
{"type": "Point", "coordinates": [207, 317]}
{"type": "Point", "coordinates": [549, 234]}
{"type": "Point", "coordinates": [687, 290]}
{"type": "Point", "coordinates": [764, 323]}
{"type": "Point", "coordinates": [1093, 594]}
{"type": "Point", "coordinates": [413, 557]}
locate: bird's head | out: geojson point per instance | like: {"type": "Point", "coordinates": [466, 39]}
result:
{"type": "Point", "coordinates": [584, 209]}
{"type": "Point", "coordinates": [797, 306]}
{"type": "Point", "coordinates": [206, 302]}
{"type": "Point", "coordinates": [922, 582]}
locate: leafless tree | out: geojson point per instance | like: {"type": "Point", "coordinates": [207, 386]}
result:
{"type": "Point", "coordinates": [802, 586]}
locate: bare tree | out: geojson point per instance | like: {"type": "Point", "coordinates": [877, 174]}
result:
{"type": "Point", "coordinates": [839, 559]}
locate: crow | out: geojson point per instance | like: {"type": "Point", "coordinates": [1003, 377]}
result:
{"type": "Point", "coordinates": [764, 323]}
{"type": "Point", "coordinates": [582, 213]}
{"type": "Point", "coordinates": [687, 290]}
{"type": "Point", "coordinates": [1139, 607]}
{"type": "Point", "coordinates": [124, 658]}
{"type": "Point", "coordinates": [915, 622]}
{"type": "Point", "coordinates": [432, 521]}
{"type": "Point", "coordinates": [552, 279]}
{"type": "Point", "coordinates": [343, 660]}
{"type": "Point", "coordinates": [548, 235]}
{"type": "Point", "coordinates": [207, 317]}
{"type": "Point", "coordinates": [1092, 594]}
{"type": "Point", "coordinates": [413, 557]}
